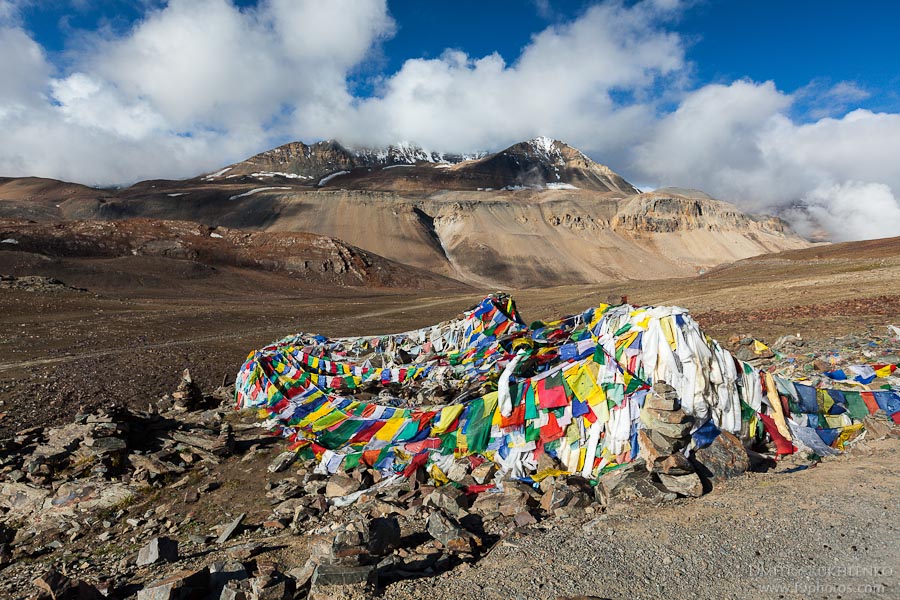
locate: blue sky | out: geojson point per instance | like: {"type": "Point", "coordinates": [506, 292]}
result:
{"type": "Point", "coordinates": [794, 43]}
{"type": "Point", "coordinates": [769, 104]}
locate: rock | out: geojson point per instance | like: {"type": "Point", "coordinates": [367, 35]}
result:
{"type": "Point", "coordinates": [184, 585]}
{"type": "Point", "coordinates": [458, 470]}
{"type": "Point", "coordinates": [450, 499]}
{"type": "Point", "coordinates": [347, 545]}
{"type": "Point", "coordinates": [652, 450]}
{"type": "Point", "coordinates": [244, 551]}
{"type": "Point", "coordinates": [202, 442]}
{"type": "Point", "coordinates": [667, 445]}
{"type": "Point", "coordinates": [545, 461]}
{"type": "Point", "coordinates": [523, 519]}
{"type": "Point", "coordinates": [285, 490]}
{"type": "Point", "coordinates": [675, 424]}
{"type": "Point", "coordinates": [220, 573]}
{"type": "Point", "coordinates": [555, 497]}
{"type": "Point", "coordinates": [232, 593]}
{"type": "Point", "coordinates": [384, 535]}
{"type": "Point", "coordinates": [878, 425]}
{"type": "Point", "coordinates": [513, 498]}
{"type": "Point", "coordinates": [340, 485]}
{"type": "Point", "coordinates": [675, 464]}
{"type": "Point", "coordinates": [105, 445]}
{"type": "Point", "coordinates": [443, 529]}
{"type": "Point", "coordinates": [685, 485]}
{"type": "Point", "coordinates": [225, 441]}
{"type": "Point", "coordinates": [722, 459]}
{"type": "Point", "coordinates": [272, 586]}
{"type": "Point", "coordinates": [230, 529]}
{"type": "Point", "coordinates": [21, 500]}
{"type": "Point", "coordinates": [282, 461]}
{"type": "Point", "coordinates": [343, 575]}
{"type": "Point", "coordinates": [188, 395]}
{"type": "Point", "coordinates": [484, 472]}
{"type": "Point", "coordinates": [53, 585]}
{"type": "Point", "coordinates": [663, 397]}
{"type": "Point", "coordinates": [161, 549]}
{"type": "Point", "coordinates": [628, 483]}
{"type": "Point", "coordinates": [303, 574]}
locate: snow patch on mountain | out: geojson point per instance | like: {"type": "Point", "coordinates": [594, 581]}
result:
{"type": "Point", "coordinates": [254, 191]}
{"type": "Point", "coordinates": [328, 178]}
{"type": "Point", "coordinates": [217, 174]}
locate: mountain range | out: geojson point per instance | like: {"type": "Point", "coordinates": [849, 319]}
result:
{"type": "Point", "coordinates": [538, 213]}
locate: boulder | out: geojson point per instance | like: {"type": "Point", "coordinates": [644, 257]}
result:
{"type": "Point", "coordinates": [53, 585]}
{"type": "Point", "coordinates": [450, 499]}
{"type": "Point", "coordinates": [230, 529]}
{"type": "Point", "coordinates": [725, 457]}
{"type": "Point", "coordinates": [184, 585]}
{"type": "Point", "coordinates": [222, 572]}
{"type": "Point", "coordinates": [484, 473]}
{"type": "Point", "coordinates": [348, 545]}
{"type": "Point", "coordinates": [340, 485]}
{"type": "Point", "coordinates": [384, 535]}
{"type": "Point", "coordinates": [458, 470]}
{"type": "Point", "coordinates": [684, 485]}
{"type": "Point", "coordinates": [513, 498]}
{"type": "Point", "coordinates": [674, 464]}
{"type": "Point", "coordinates": [453, 537]}
{"type": "Point", "coordinates": [675, 424]}
{"type": "Point", "coordinates": [282, 461]}
{"type": "Point", "coordinates": [161, 549]}
{"type": "Point", "coordinates": [627, 483]}
{"type": "Point", "coordinates": [878, 425]}
{"type": "Point", "coordinates": [342, 575]}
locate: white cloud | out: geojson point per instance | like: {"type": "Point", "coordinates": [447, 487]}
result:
{"type": "Point", "coordinates": [192, 85]}
{"type": "Point", "coordinates": [563, 84]}
{"type": "Point", "coordinates": [848, 211]}
{"type": "Point", "coordinates": [23, 69]}
{"type": "Point", "coordinates": [738, 143]}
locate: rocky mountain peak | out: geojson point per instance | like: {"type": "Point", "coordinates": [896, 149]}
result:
{"type": "Point", "coordinates": [539, 163]}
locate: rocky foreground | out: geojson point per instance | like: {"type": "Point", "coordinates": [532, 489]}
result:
{"type": "Point", "coordinates": [190, 499]}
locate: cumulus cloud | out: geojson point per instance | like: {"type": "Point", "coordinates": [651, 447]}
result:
{"type": "Point", "coordinates": [563, 84]}
{"type": "Point", "coordinates": [196, 84]}
{"type": "Point", "coordinates": [847, 211]}
{"type": "Point", "coordinates": [193, 84]}
{"type": "Point", "coordinates": [738, 142]}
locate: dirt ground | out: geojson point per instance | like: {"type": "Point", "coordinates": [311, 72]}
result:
{"type": "Point", "coordinates": [65, 350]}
{"type": "Point", "coordinates": [825, 532]}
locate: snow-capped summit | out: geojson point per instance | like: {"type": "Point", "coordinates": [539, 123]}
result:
{"type": "Point", "coordinates": [539, 163]}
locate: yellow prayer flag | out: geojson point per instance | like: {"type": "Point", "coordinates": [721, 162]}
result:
{"type": "Point", "coordinates": [449, 415]}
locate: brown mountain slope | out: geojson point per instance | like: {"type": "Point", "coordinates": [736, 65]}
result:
{"type": "Point", "coordinates": [308, 258]}
{"type": "Point", "coordinates": [538, 213]}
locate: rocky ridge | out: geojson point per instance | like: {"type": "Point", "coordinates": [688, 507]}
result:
{"type": "Point", "coordinates": [297, 160]}
{"type": "Point", "coordinates": [310, 257]}
{"type": "Point", "coordinates": [540, 163]}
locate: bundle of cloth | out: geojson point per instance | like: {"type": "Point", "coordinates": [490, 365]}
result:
{"type": "Point", "coordinates": [486, 384]}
